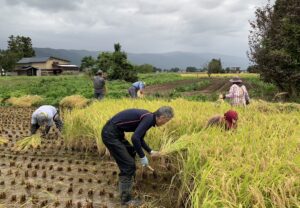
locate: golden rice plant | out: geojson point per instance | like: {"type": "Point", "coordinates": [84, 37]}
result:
{"type": "Point", "coordinates": [3, 140]}
{"type": "Point", "coordinates": [25, 101]}
{"type": "Point", "coordinates": [139, 94]}
{"type": "Point", "coordinates": [74, 101]}
{"type": "Point", "coordinates": [257, 165]}
{"type": "Point", "coordinates": [33, 141]}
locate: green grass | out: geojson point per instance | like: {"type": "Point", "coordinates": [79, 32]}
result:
{"type": "Point", "coordinates": [261, 89]}
{"type": "Point", "coordinates": [194, 86]}
{"type": "Point", "coordinates": [53, 89]}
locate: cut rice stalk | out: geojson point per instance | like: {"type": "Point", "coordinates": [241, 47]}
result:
{"type": "Point", "coordinates": [33, 141]}
{"type": "Point", "coordinates": [3, 140]}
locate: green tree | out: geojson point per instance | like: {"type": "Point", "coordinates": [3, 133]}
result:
{"type": "Point", "coordinates": [156, 69]}
{"type": "Point", "coordinates": [18, 47]}
{"type": "Point", "coordinates": [116, 65]}
{"type": "Point", "coordinates": [104, 61]}
{"type": "Point", "coordinates": [87, 62]}
{"type": "Point", "coordinates": [8, 60]}
{"type": "Point", "coordinates": [144, 68]}
{"type": "Point", "coordinates": [21, 46]}
{"type": "Point", "coordinates": [191, 69]}
{"type": "Point", "coordinates": [274, 42]}
{"type": "Point", "coordinates": [175, 69]}
{"type": "Point", "coordinates": [252, 69]}
{"type": "Point", "coordinates": [227, 70]}
{"type": "Point", "coordinates": [214, 66]}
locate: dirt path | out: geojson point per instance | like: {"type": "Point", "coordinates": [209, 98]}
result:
{"type": "Point", "coordinates": [165, 88]}
{"type": "Point", "coordinates": [217, 85]}
{"type": "Point", "coordinates": [56, 175]}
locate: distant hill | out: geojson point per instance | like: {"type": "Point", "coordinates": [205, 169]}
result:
{"type": "Point", "coordinates": [161, 60]}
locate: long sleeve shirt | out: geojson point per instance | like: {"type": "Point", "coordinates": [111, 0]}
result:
{"type": "Point", "coordinates": [139, 85]}
{"type": "Point", "coordinates": [238, 95]}
{"type": "Point", "coordinates": [47, 110]}
{"type": "Point", "coordinates": [138, 121]}
{"type": "Point", "coordinates": [99, 84]}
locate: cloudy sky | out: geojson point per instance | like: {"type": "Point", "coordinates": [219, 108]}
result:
{"type": "Point", "coordinates": [141, 26]}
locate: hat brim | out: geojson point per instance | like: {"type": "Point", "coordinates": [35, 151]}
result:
{"type": "Point", "coordinates": [236, 81]}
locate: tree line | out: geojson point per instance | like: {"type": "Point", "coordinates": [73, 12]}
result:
{"type": "Point", "coordinates": [274, 42]}
{"type": "Point", "coordinates": [18, 47]}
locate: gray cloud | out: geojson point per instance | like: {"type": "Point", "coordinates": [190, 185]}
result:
{"type": "Point", "coordinates": [139, 25]}
{"type": "Point", "coordinates": [50, 5]}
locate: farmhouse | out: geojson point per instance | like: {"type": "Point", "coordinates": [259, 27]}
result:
{"type": "Point", "coordinates": [42, 66]}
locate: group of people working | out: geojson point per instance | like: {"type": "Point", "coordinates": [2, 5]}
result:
{"type": "Point", "coordinates": [238, 93]}
{"type": "Point", "coordinates": [138, 121]}
{"type": "Point", "coordinates": [100, 87]}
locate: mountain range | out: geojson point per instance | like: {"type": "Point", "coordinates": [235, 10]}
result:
{"type": "Point", "coordinates": [161, 60]}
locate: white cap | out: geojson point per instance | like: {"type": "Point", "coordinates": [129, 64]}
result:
{"type": "Point", "coordinates": [42, 118]}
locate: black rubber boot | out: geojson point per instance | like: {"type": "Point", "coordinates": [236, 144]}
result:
{"type": "Point", "coordinates": [125, 187]}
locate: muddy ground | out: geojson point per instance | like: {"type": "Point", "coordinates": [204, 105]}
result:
{"type": "Point", "coordinates": [55, 175]}
{"type": "Point", "coordinates": [217, 85]}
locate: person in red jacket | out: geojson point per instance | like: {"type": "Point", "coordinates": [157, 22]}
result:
{"type": "Point", "coordinates": [228, 121]}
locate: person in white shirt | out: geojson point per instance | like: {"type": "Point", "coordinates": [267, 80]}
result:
{"type": "Point", "coordinates": [45, 115]}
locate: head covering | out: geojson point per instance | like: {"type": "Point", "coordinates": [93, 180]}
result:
{"type": "Point", "coordinates": [230, 116]}
{"type": "Point", "coordinates": [99, 72]}
{"type": "Point", "coordinates": [42, 118]}
{"type": "Point", "coordinates": [236, 80]}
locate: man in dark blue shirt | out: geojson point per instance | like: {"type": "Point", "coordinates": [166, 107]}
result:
{"type": "Point", "coordinates": [138, 121]}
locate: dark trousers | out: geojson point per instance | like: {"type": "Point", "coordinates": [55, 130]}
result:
{"type": "Point", "coordinates": [99, 95]}
{"type": "Point", "coordinates": [120, 149]}
{"type": "Point", "coordinates": [132, 92]}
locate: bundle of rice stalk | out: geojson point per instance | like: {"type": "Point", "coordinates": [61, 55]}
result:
{"type": "Point", "coordinates": [33, 141]}
{"type": "Point", "coordinates": [3, 141]}
{"type": "Point", "coordinates": [178, 145]}
{"type": "Point", "coordinates": [74, 101]}
{"type": "Point", "coordinates": [25, 101]}
{"type": "Point", "coordinates": [139, 94]}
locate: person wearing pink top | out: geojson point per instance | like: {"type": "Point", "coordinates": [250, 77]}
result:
{"type": "Point", "coordinates": [238, 93]}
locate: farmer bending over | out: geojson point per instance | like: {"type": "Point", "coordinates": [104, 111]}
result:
{"type": "Point", "coordinates": [138, 121]}
{"type": "Point", "coordinates": [137, 86]}
{"type": "Point", "coordinates": [45, 115]}
{"type": "Point", "coordinates": [228, 121]}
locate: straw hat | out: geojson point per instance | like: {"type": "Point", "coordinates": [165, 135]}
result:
{"type": "Point", "coordinates": [236, 80]}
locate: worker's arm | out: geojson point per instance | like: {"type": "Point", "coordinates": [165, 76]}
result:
{"type": "Point", "coordinates": [46, 131]}
{"type": "Point", "coordinates": [58, 123]}
{"type": "Point", "coordinates": [34, 125]}
{"type": "Point", "coordinates": [105, 87]}
{"type": "Point", "coordinates": [137, 137]}
{"type": "Point", "coordinates": [145, 145]}
{"type": "Point", "coordinates": [34, 128]}
{"type": "Point", "coordinates": [247, 97]}
{"type": "Point", "coordinates": [142, 87]}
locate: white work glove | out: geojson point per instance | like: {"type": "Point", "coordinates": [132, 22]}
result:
{"type": "Point", "coordinates": [144, 161]}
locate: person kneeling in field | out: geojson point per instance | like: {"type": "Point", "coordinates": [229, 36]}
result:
{"type": "Point", "coordinates": [45, 115]}
{"type": "Point", "coordinates": [229, 120]}
{"type": "Point", "coordinates": [138, 121]}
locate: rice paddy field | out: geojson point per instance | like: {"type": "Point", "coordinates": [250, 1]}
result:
{"type": "Point", "coordinates": [256, 165]}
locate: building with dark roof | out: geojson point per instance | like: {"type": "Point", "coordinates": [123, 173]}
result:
{"type": "Point", "coordinates": [42, 66]}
